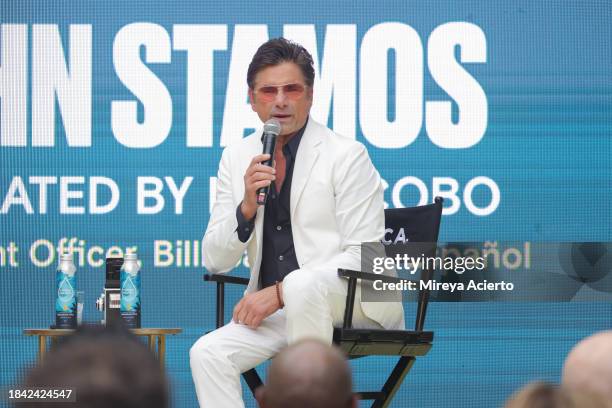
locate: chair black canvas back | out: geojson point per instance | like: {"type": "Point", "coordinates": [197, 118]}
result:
{"type": "Point", "coordinates": [415, 224]}
{"type": "Point", "coordinates": [418, 224]}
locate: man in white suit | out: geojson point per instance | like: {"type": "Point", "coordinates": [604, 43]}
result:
{"type": "Point", "coordinates": [326, 198]}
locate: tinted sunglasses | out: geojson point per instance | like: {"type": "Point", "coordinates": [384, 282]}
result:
{"type": "Point", "coordinates": [291, 91]}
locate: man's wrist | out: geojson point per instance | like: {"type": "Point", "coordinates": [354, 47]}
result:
{"type": "Point", "coordinates": [247, 212]}
{"type": "Point", "coordinates": [245, 226]}
{"type": "Point", "coordinates": [279, 294]}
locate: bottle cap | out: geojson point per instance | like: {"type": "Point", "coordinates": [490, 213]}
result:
{"type": "Point", "coordinates": [130, 256]}
{"type": "Point", "coordinates": [66, 256]}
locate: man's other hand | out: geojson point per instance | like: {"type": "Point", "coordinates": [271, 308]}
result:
{"type": "Point", "coordinates": [255, 307]}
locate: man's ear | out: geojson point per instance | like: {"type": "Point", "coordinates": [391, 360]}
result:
{"type": "Point", "coordinates": [310, 92]}
{"type": "Point", "coordinates": [252, 99]}
{"type": "Point", "coordinates": [259, 396]}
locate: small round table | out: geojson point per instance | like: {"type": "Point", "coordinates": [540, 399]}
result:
{"type": "Point", "coordinates": [156, 339]}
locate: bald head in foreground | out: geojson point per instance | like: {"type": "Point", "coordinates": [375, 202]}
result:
{"type": "Point", "coordinates": [308, 373]}
{"type": "Point", "coordinates": [545, 395]}
{"type": "Point", "coordinates": [588, 367]}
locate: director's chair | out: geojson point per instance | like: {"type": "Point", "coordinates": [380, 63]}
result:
{"type": "Point", "coordinates": [419, 224]}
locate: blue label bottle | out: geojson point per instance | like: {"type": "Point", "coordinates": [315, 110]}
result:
{"type": "Point", "coordinates": [66, 298]}
{"type": "Point", "coordinates": [130, 291]}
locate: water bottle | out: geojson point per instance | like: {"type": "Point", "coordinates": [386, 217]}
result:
{"type": "Point", "coordinates": [66, 302]}
{"type": "Point", "coordinates": [130, 291]}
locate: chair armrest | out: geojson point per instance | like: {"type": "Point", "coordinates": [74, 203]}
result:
{"type": "Point", "coordinates": [221, 280]}
{"type": "Point", "coordinates": [225, 279]}
{"type": "Point", "coordinates": [347, 273]}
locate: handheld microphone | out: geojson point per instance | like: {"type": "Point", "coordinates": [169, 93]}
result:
{"type": "Point", "coordinates": [271, 130]}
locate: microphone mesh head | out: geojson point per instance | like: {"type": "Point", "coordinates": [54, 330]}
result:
{"type": "Point", "coordinates": [272, 126]}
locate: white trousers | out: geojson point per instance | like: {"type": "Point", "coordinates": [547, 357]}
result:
{"type": "Point", "coordinates": [314, 304]}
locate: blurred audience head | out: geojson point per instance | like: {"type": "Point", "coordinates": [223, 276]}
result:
{"type": "Point", "coordinates": [308, 373]}
{"type": "Point", "coordinates": [544, 395]}
{"type": "Point", "coordinates": [106, 367]}
{"type": "Point", "coordinates": [588, 366]}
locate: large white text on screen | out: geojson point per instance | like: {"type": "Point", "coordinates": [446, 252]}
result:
{"type": "Point", "coordinates": [348, 71]}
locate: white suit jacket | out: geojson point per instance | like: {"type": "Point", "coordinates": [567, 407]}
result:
{"type": "Point", "coordinates": [336, 203]}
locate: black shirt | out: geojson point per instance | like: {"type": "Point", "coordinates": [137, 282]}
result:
{"type": "Point", "coordinates": [278, 252]}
